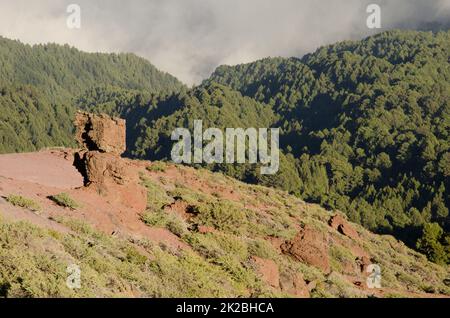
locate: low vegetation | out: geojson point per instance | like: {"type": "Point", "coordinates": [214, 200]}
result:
{"type": "Point", "coordinates": [218, 262]}
{"type": "Point", "coordinates": [237, 233]}
{"type": "Point", "coordinates": [157, 166]}
{"type": "Point", "coordinates": [20, 201]}
{"type": "Point", "coordinates": [171, 221]}
{"type": "Point", "coordinates": [109, 266]}
{"type": "Point", "coordinates": [365, 130]}
{"type": "Point", "coordinates": [64, 200]}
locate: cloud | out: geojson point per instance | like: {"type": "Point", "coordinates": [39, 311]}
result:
{"type": "Point", "coordinates": [189, 38]}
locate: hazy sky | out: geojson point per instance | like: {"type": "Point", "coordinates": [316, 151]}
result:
{"type": "Point", "coordinates": [190, 38]}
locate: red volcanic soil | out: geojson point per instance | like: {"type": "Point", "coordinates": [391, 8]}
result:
{"type": "Point", "coordinates": [48, 168]}
{"type": "Point", "coordinates": [42, 174]}
{"type": "Point", "coordinates": [39, 175]}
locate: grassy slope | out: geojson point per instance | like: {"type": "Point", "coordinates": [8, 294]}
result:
{"type": "Point", "coordinates": [33, 260]}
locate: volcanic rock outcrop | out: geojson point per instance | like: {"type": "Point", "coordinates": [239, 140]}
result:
{"type": "Point", "coordinates": [268, 270]}
{"type": "Point", "coordinates": [102, 139]}
{"type": "Point", "coordinates": [294, 284]}
{"type": "Point", "coordinates": [309, 246]}
{"type": "Point", "coordinates": [101, 133]}
{"type": "Point", "coordinates": [338, 223]}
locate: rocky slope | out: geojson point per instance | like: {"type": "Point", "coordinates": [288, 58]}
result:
{"type": "Point", "coordinates": [202, 234]}
{"type": "Point", "coordinates": [198, 234]}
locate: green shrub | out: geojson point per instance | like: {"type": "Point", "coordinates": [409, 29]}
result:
{"type": "Point", "coordinates": [157, 167]}
{"type": "Point", "coordinates": [429, 243]}
{"type": "Point", "coordinates": [156, 219]}
{"type": "Point", "coordinates": [64, 200]}
{"type": "Point", "coordinates": [223, 215]}
{"type": "Point", "coordinates": [227, 251]}
{"type": "Point", "coordinates": [177, 226]}
{"type": "Point", "coordinates": [171, 221]}
{"type": "Point", "coordinates": [339, 256]}
{"type": "Point", "coordinates": [157, 197]}
{"type": "Point", "coordinates": [23, 202]}
{"type": "Point", "coordinates": [261, 248]}
{"type": "Point", "coordinates": [134, 257]}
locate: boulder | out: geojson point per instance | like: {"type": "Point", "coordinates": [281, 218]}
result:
{"type": "Point", "coordinates": [100, 133]}
{"type": "Point", "coordinates": [294, 284]}
{"type": "Point", "coordinates": [338, 223]}
{"type": "Point", "coordinates": [309, 246]}
{"type": "Point", "coordinates": [268, 270]}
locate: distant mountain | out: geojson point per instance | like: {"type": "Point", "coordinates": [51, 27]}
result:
{"type": "Point", "coordinates": [63, 71]}
{"type": "Point", "coordinates": [39, 83]}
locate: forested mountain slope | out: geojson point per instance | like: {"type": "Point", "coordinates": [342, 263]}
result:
{"type": "Point", "coordinates": [30, 121]}
{"type": "Point", "coordinates": [38, 85]}
{"type": "Point", "coordinates": [368, 123]}
{"type": "Point", "coordinates": [63, 71]}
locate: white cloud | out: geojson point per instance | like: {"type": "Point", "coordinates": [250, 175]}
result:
{"type": "Point", "coordinates": [189, 38]}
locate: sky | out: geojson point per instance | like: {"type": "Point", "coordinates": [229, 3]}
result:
{"type": "Point", "coordinates": [190, 38]}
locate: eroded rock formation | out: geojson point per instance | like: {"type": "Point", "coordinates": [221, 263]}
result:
{"type": "Point", "coordinates": [102, 140]}
{"type": "Point", "coordinates": [268, 270]}
{"type": "Point", "coordinates": [338, 223]}
{"type": "Point", "coordinates": [309, 246]}
{"type": "Point", "coordinates": [294, 284]}
{"type": "Point", "coordinates": [289, 281]}
{"type": "Point", "coordinates": [100, 132]}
